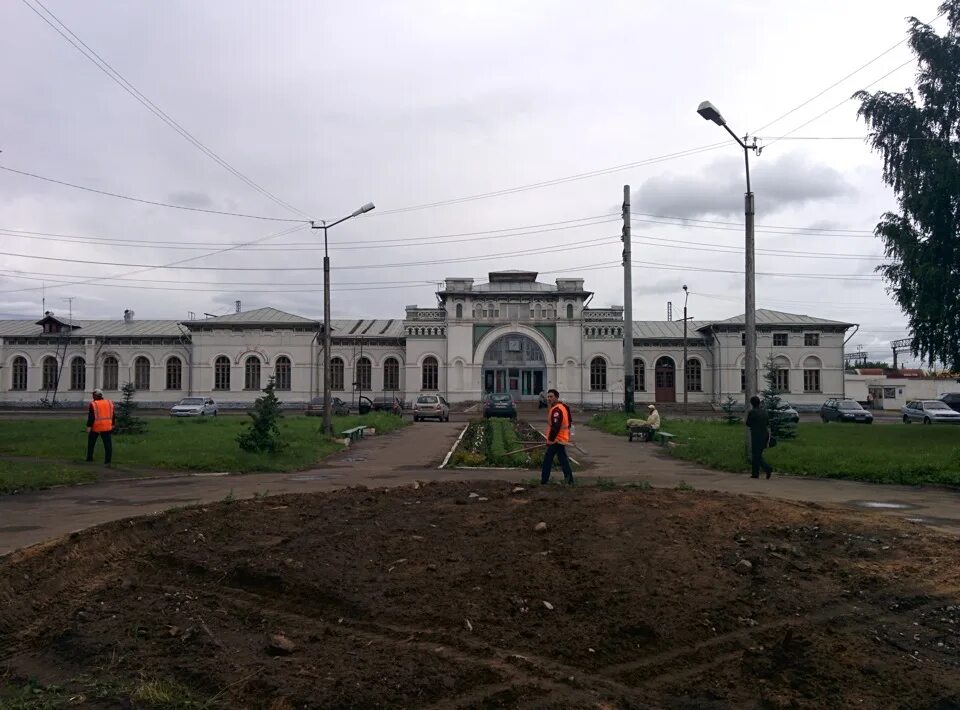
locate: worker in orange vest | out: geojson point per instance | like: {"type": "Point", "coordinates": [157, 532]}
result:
{"type": "Point", "coordinates": [100, 423]}
{"type": "Point", "coordinates": [558, 436]}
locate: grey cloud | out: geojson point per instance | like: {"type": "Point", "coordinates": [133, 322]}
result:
{"type": "Point", "coordinates": [190, 199]}
{"type": "Point", "coordinates": [789, 181]}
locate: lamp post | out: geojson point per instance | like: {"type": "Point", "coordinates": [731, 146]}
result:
{"type": "Point", "coordinates": [327, 408]}
{"type": "Point", "coordinates": [686, 384]}
{"type": "Point", "coordinates": [709, 112]}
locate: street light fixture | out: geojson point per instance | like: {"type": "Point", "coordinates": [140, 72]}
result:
{"type": "Point", "coordinates": [710, 113]}
{"type": "Point", "coordinates": [327, 404]}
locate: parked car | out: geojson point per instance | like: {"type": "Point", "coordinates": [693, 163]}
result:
{"type": "Point", "coordinates": [194, 407]}
{"type": "Point", "coordinates": [788, 413]}
{"type": "Point", "coordinates": [338, 407]}
{"type": "Point", "coordinates": [388, 404]}
{"type": "Point", "coordinates": [952, 400]}
{"type": "Point", "coordinates": [929, 411]}
{"type": "Point", "coordinates": [844, 410]}
{"type": "Point", "coordinates": [499, 405]}
{"type": "Point", "coordinates": [431, 406]}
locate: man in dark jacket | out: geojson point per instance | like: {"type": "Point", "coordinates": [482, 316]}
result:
{"type": "Point", "coordinates": [758, 422]}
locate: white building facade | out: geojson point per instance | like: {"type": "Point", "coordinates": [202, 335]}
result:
{"type": "Point", "coordinates": [511, 334]}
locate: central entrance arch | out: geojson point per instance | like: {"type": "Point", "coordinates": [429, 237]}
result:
{"type": "Point", "coordinates": [514, 364]}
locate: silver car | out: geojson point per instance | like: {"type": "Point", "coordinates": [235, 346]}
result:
{"type": "Point", "coordinates": [194, 407]}
{"type": "Point", "coordinates": [929, 411]}
{"type": "Point", "coordinates": [431, 406]}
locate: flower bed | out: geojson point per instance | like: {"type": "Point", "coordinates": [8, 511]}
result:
{"type": "Point", "coordinates": [489, 443]}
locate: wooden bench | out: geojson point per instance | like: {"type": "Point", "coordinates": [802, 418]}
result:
{"type": "Point", "coordinates": [663, 437]}
{"type": "Point", "coordinates": [353, 434]}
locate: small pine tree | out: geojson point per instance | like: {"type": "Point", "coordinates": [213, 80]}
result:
{"type": "Point", "coordinates": [780, 427]}
{"type": "Point", "coordinates": [263, 436]}
{"type": "Point", "coordinates": [125, 420]}
{"type": "Point", "coordinates": [731, 410]}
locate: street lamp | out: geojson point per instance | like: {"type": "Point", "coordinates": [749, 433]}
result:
{"type": "Point", "coordinates": [710, 113]}
{"type": "Point", "coordinates": [327, 404]}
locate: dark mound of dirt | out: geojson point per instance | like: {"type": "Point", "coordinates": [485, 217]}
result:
{"type": "Point", "coordinates": [435, 597]}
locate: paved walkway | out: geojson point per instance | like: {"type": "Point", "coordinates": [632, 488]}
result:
{"type": "Point", "coordinates": [413, 454]}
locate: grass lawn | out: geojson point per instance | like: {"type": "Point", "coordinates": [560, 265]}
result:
{"type": "Point", "coordinates": [58, 446]}
{"type": "Point", "coordinates": [882, 453]}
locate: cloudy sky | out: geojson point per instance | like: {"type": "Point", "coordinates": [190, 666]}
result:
{"type": "Point", "coordinates": [491, 135]}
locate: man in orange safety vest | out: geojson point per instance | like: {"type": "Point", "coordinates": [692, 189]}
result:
{"type": "Point", "coordinates": [558, 436]}
{"type": "Point", "coordinates": [100, 423]}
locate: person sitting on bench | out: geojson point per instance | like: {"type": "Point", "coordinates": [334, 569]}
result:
{"type": "Point", "coordinates": [647, 427]}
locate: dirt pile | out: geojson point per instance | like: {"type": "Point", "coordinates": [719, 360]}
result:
{"type": "Point", "coordinates": [433, 597]}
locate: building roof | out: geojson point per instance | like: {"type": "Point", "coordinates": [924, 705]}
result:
{"type": "Point", "coordinates": [259, 316]}
{"type": "Point", "coordinates": [668, 329]}
{"type": "Point", "coordinates": [95, 328]}
{"type": "Point", "coordinates": [368, 328]}
{"type": "Point", "coordinates": [514, 287]}
{"type": "Point", "coordinates": [767, 317]}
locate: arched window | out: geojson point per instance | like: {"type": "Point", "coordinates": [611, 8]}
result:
{"type": "Point", "coordinates": [336, 374]}
{"type": "Point", "coordinates": [19, 374]}
{"type": "Point", "coordinates": [111, 373]}
{"type": "Point", "coordinates": [141, 373]}
{"type": "Point", "coordinates": [78, 374]}
{"type": "Point", "coordinates": [569, 311]}
{"type": "Point", "coordinates": [694, 376]}
{"type": "Point", "coordinates": [282, 373]}
{"type": "Point", "coordinates": [639, 375]}
{"type": "Point", "coordinates": [391, 374]}
{"type": "Point", "coordinates": [174, 374]}
{"type": "Point", "coordinates": [363, 374]}
{"type": "Point", "coordinates": [49, 371]}
{"type": "Point", "coordinates": [431, 374]}
{"type": "Point", "coordinates": [598, 374]}
{"type": "Point", "coordinates": [251, 373]}
{"type": "Point", "coordinates": [811, 374]}
{"type": "Point", "coordinates": [221, 373]}
{"type": "Point", "coordinates": [459, 311]}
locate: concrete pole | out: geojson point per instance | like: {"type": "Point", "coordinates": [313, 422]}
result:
{"type": "Point", "coordinates": [628, 383]}
{"type": "Point", "coordinates": [327, 396]}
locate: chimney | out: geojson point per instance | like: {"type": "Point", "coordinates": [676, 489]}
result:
{"type": "Point", "coordinates": [127, 316]}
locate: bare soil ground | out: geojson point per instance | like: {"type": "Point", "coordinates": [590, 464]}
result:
{"type": "Point", "coordinates": [428, 597]}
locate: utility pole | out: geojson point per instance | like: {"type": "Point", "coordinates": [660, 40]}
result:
{"type": "Point", "coordinates": [628, 383]}
{"type": "Point", "coordinates": [686, 385]}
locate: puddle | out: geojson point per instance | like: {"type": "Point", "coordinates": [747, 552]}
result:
{"type": "Point", "coordinates": [881, 505]}
{"type": "Point", "coordinates": [310, 477]}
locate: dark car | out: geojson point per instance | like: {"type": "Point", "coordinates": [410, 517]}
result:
{"type": "Point", "coordinates": [952, 400]}
{"type": "Point", "coordinates": [338, 407]}
{"type": "Point", "coordinates": [388, 404]}
{"type": "Point", "coordinates": [844, 410]}
{"type": "Point", "coordinates": [499, 405]}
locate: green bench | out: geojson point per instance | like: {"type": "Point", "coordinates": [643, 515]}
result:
{"type": "Point", "coordinates": [663, 437]}
{"type": "Point", "coordinates": [353, 434]}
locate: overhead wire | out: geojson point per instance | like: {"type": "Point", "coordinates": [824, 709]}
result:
{"type": "Point", "coordinates": [90, 54]}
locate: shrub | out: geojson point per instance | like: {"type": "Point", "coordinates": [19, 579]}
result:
{"type": "Point", "coordinates": [263, 436]}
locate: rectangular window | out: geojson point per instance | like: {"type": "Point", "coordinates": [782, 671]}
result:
{"type": "Point", "coordinates": [780, 340]}
{"type": "Point", "coordinates": [811, 339]}
{"type": "Point", "coordinates": [639, 375]}
{"type": "Point", "coordinates": [743, 380]}
{"type": "Point", "coordinates": [811, 380]}
{"type": "Point", "coordinates": [743, 338]}
{"type": "Point", "coordinates": [781, 382]}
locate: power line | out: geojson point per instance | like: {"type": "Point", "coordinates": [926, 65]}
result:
{"type": "Point", "coordinates": [840, 81]}
{"type": "Point", "coordinates": [818, 230]}
{"type": "Point", "coordinates": [149, 202]}
{"type": "Point", "coordinates": [556, 181]}
{"type": "Point", "coordinates": [124, 84]}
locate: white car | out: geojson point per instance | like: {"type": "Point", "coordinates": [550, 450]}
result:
{"type": "Point", "coordinates": [929, 411]}
{"type": "Point", "coordinates": [194, 407]}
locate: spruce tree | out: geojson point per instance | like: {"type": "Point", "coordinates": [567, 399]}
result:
{"type": "Point", "coordinates": [263, 435]}
{"type": "Point", "coordinates": [780, 426]}
{"type": "Point", "coordinates": [125, 420]}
